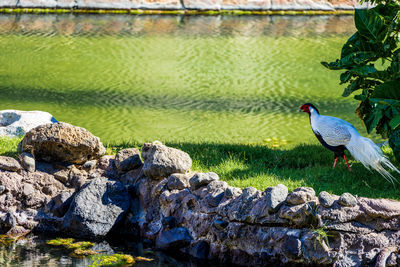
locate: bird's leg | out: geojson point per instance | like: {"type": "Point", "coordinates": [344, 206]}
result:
{"type": "Point", "coordinates": [334, 164]}
{"type": "Point", "coordinates": [345, 159]}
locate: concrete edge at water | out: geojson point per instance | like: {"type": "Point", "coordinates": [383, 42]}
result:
{"type": "Point", "coordinates": [184, 7]}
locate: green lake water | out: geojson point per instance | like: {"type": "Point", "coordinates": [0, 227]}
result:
{"type": "Point", "coordinates": [225, 79]}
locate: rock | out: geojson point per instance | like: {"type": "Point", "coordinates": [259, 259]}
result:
{"type": "Point", "coordinates": [16, 123]}
{"type": "Point", "coordinates": [9, 164]}
{"type": "Point", "coordinates": [301, 195]}
{"type": "Point", "coordinates": [161, 161]}
{"type": "Point", "coordinates": [61, 203]}
{"type": "Point", "coordinates": [200, 250]}
{"type": "Point", "coordinates": [62, 175]}
{"type": "Point", "coordinates": [89, 164]}
{"type": "Point", "coordinates": [97, 208]}
{"type": "Point", "coordinates": [28, 190]}
{"type": "Point", "coordinates": [202, 179]}
{"type": "Point", "coordinates": [62, 142]}
{"type": "Point", "coordinates": [174, 239]}
{"type": "Point", "coordinates": [347, 200]}
{"type": "Point", "coordinates": [178, 181]}
{"type": "Point", "coordinates": [77, 178]}
{"type": "Point", "coordinates": [380, 208]}
{"type": "Point", "coordinates": [27, 161]}
{"type": "Point", "coordinates": [297, 215]}
{"type": "Point", "coordinates": [220, 224]}
{"type": "Point", "coordinates": [169, 222]}
{"type": "Point", "coordinates": [2, 189]}
{"type": "Point", "coordinates": [326, 199]}
{"type": "Point", "coordinates": [128, 159]}
{"type": "Point", "coordinates": [106, 167]}
{"type": "Point", "coordinates": [231, 192]}
{"type": "Point", "coordinates": [275, 196]}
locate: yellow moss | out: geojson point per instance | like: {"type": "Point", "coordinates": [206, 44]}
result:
{"type": "Point", "coordinates": [80, 245]}
{"type": "Point", "coordinates": [113, 260]}
{"type": "Point", "coordinates": [60, 242]}
{"type": "Point", "coordinates": [140, 258]}
{"type": "Point", "coordinates": [80, 252]}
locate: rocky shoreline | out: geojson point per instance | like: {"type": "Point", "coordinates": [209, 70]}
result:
{"type": "Point", "coordinates": [252, 5]}
{"type": "Point", "coordinates": [63, 184]}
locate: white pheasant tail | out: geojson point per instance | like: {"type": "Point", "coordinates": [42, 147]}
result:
{"type": "Point", "coordinates": [337, 134]}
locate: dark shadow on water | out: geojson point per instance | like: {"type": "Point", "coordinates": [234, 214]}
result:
{"type": "Point", "coordinates": [105, 99]}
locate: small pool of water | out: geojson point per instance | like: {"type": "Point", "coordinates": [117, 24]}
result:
{"type": "Point", "coordinates": [225, 79]}
{"type": "Point", "coordinates": [33, 251]}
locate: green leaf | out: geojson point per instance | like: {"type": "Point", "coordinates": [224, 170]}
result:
{"type": "Point", "coordinates": [388, 90]}
{"type": "Point", "coordinates": [365, 70]}
{"type": "Point", "coordinates": [370, 24]}
{"type": "Point", "coordinates": [345, 76]}
{"type": "Point", "coordinates": [395, 122]}
{"type": "Point", "coordinates": [353, 86]}
{"type": "Point", "coordinates": [372, 119]}
{"type": "Point", "coordinates": [348, 62]}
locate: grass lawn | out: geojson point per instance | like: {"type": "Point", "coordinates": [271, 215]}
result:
{"type": "Point", "coordinates": [262, 166]}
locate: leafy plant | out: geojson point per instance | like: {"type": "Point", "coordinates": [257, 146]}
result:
{"type": "Point", "coordinates": [371, 60]}
{"type": "Point", "coordinates": [321, 236]}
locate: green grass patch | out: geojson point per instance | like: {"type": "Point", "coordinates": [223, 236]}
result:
{"type": "Point", "coordinates": [8, 146]}
{"type": "Point", "coordinates": [262, 166]}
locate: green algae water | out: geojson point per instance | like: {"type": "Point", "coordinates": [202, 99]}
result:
{"type": "Point", "coordinates": [224, 79]}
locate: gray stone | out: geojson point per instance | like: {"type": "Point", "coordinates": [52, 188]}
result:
{"type": "Point", "coordinates": [77, 178]}
{"type": "Point", "coordinates": [200, 250]}
{"type": "Point", "coordinates": [178, 181]}
{"type": "Point", "coordinates": [89, 164]}
{"type": "Point", "coordinates": [28, 190]}
{"type": "Point", "coordinates": [202, 179]}
{"type": "Point", "coordinates": [232, 192]}
{"type": "Point", "coordinates": [62, 142]}
{"type": "Point", "coordinates": [275, 196]}
{"type": "Point", "coordinates": [301, 195]}
{"type": "Point", "coordinates": [347, 200]}
{"type": "Point", "coordinates": [2, 189]}
{"type": "Point", "coordinates": [27, 161]}
{"type": "Point", "coordinates": [97, 208]}
{"type": "Point", "coordinates": [61, 203]}
{"type": "Point", "coordinates": [297, 215]}
{"type": "Point", "coordinates": [161, 161]}
{"type": "Point", "coordinates": [326, 199]}
{"type": "Point", "coordinates": [62, 175]}
{"type": "Point", "coordinates": [174, 239]}
{"type": "Point", "coordinates": [9, 164]}
{"type": "Point", "coordinates": [16, 123]}
{"type": "Point", "coordinates": [220, 224]}
{"type": "Point", "coordinates": [128, 159]}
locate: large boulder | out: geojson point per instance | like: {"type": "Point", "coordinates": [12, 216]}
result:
{"type": "Point", "coordinates": [62, 142]}
{"type": "Point", "coordinates": [15, 123]}
{"type": "Point", "coordinates": [161, 161]}
{"type": "Point", "coordinates": [97, 208]}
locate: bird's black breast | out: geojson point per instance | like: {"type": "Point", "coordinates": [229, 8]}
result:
{"type": "Point", "coordinates": [338, 150]}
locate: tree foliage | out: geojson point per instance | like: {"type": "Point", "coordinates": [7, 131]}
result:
{"type": "Point", "coordinates": [371, 62]}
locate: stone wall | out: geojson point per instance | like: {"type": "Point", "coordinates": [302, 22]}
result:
{"type": "Point", "coordinates": [154, 196]}
{"type": "Point", "coordinates": [326, 5]}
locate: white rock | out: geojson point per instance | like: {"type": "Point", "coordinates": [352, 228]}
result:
{"type": "Point", "coordinates": [15, 123]}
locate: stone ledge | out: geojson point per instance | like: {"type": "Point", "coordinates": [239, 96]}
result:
{"type": "Point", "coordinates": [252, 5]}
{"type": "Point", "coordinates": [163, 201]}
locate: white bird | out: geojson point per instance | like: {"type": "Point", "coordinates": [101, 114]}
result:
{"type": "Point", "coordinates": [338, 135]}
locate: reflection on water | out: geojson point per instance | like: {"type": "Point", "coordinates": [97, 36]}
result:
{"type": "Point", "coordinates": [33, 252]}
{"type": "Point", "coordinates": [231, 79]}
